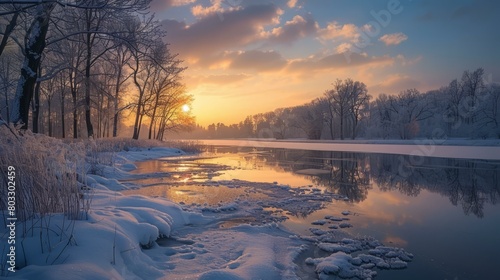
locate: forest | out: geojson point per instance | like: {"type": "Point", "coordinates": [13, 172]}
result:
{"type": "Point", "coordinates": [78, 69]}
{"type": "Point", "coordinates": [469, 107]}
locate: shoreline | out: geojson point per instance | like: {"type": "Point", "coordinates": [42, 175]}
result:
{"type": "Point", "coordinates": [417, 149]}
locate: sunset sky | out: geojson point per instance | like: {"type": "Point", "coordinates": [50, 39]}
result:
{"type": "Point", "coordinates": [252, 56]}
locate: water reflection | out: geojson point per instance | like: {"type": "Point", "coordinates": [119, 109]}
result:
{"type": "Point", "coordinates": [467, 183]}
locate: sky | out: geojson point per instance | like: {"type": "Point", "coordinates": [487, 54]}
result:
{"type": "Point", "coordinates": [252, 56]}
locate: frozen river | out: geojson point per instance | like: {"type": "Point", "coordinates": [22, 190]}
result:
{"type": "Point", "coordinates": [443, 210]}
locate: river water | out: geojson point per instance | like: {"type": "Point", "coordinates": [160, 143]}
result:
{"type": "Point", "coordinates": [443, 210]}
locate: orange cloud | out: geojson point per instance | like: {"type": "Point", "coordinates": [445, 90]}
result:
{"type": "Point", "coordinates": [213, 34]}
{"type": "Point", "coordinates": [291, 3]}
{"type": "Point", "coordinates": [292, 30]}
{"type": "Point", "coordinates": [393, 39]}
{"type": "Point", "coordinates": [335, 30]}
{"type": "Point", "coordinates": [394, 84]}
{"type": "Point", "coordinates": [159, 5]}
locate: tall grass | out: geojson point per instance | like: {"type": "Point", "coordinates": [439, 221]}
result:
{"type": "Point", "coordinates": [50, 180]}
{"type": "Point", "coordinates": [49, 174]}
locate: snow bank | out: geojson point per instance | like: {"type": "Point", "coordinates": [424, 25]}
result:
{"type": "Point", "coordinates": [118, 240]}
{"type": "Point", "coordinates": [467, 149]}
{"type": "Point", "coordinates": [109, 244]}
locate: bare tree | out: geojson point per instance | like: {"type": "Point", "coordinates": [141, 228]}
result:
{"type": "Point", "coordinates": [358, 103]}
{"type": "Point", "coordinates": [410, 107]}
{"type": "Point", "coordinates": [473, 85]}
{"type": "Point", "coordinates": [310, 118]}
{"type": "Point", "coordinates": [165, 76]}
{"type": "Point", "coordinates": [347, 99]}
{"type": "Point", "coordinates": [171, 116]}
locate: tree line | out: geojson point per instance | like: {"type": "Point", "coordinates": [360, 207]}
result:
{"type": "Point", "coordinates": [78, 68]}
{"type": "Point", "coordinates": [468, 107]}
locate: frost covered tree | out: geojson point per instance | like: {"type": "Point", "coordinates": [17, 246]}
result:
{"type": "Point", "coordinates": [310, 118]}
{"type": "Point", "coordinates": [165, 77]}
{"type": "Point", "coordinates": [170, 115]}
{"type": "Point", "coordinates": [410, 107]}
{"type": "Point", "coordinates": [33, 48]}
{"type": "Point", "coordinates": [347, 100]}
{"type": "Point", "coordinates": [473, 86]}
{"type": "Point", "coordinates": [91, 23]}
{"type": "Point", "coordinates": [489, 115]}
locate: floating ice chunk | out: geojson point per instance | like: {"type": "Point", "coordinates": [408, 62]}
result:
{"type": "Point", "coordinates": [398, 264]}
{"type": "Point", "coordinates": [319, 222]}
{"type": "Point", "coordinates": [223, 208]}
{"type": "Point", "coordinates": [317, 231]}
{"type": "Point", "coordinates": [345, 225]}
{"type": "Point", "coordinates": [383, 265]}
{"type": "Point", "coordinates": [391, 252]}
{"type": "Point", "coordinates": [345, 213]}
{"type": "Point", "coordinates": [368, 265]}
{"type": "Point", "coordinates": [335, 219]}
{"type": "Point", "coordinates": [340, 264]}
{"type": "Point", "coordinates": [332, 247]}
{"type": "Point", "coordinates": [370, 259]}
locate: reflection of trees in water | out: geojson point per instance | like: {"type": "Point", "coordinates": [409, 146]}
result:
{"type": "Point", "coordinates": [472, 184]}
{"type": "Point", "coordinates": [342, 173]}
{"type": "Point", "coordinates": [468, 183]}
{"type": "Point", "coordinates": [348, 176]}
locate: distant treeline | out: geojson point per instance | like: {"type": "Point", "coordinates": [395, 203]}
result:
{"type": "Point", "coordinates": [466, 108]}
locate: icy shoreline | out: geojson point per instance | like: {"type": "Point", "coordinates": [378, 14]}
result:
{"type": "Point", "coordinates": [120, 238]}
{"type": "Point", "coordinates": [469, 149]}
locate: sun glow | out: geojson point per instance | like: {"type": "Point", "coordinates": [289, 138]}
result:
{"type": "Point", "coordinates": [185, 108]}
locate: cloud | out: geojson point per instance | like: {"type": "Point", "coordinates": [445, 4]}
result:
{"type": "Point", "coordinates": [292, 30]}
{"type": "Point", "coordinates": [339, 61]}
{"type": "Point", "coordinates": [200, 11]}
{"type": "Point", "coordinates": [218, 7]}
{"type": "Point", "coordinates": [160, 5]}
{"type": "Point", "coordinates": [224, 79]}
{"type": "Point", "coordinates": [256, 60]}
{"type": "Point", "coordinates": [291, 3]}
{"type": "Point", "coordinates": [408, 62]}
{"type": "Point", "coordinates": [344, 48]}
{"type": "Point", "coordinates": [393, 39]}
{"type": "Point", "coordinates": [211, 35]}
{"type": "Point", "coordinates": [394, 84]}
{"type": "Point", "coordinates": [336, 31]}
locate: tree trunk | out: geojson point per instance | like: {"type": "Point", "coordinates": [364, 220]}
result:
{"type": "Point", "coordinates": [63, 125]}
{"type": "Point", "coordinates": [49, 117]}
{"type": "Point", "coordinates": [151, 125]}
{"type": "Point", "coordinates": [341, 123]}
{"type": "Point", "coordinates": [35, 114]}
{"type": "Point", "coordinates": [88, 120]}
{"type": "Point", "coordinates": [117, 112]}
{"type": "Point", "coordinates": [8, 30]}
{"type": "Point", "coordinates": [75, 114]}
{"type": "Point", "coordinates": [33, 49]}
{"type": "Point", "coordinates": [88, 65]}
{"type": "Point", "coordinates": [139, 104]}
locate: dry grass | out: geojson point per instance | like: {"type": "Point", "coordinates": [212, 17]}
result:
{"type": "Point", "coordinates": [49, 174]}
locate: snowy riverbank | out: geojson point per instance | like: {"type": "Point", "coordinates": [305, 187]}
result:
{"type": "Point", "coordinates": [137, 237]}
{"type": "Point", "coordinates": [468, 149]}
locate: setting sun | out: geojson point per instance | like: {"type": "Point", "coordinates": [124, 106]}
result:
{"type": "Point", "coordinates": [185, 108]}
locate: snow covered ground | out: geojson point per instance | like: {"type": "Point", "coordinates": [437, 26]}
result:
{"type": "Point", "coordinates": [453, 148]}
{"type": "Point", "coordinates": [138, 237]}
